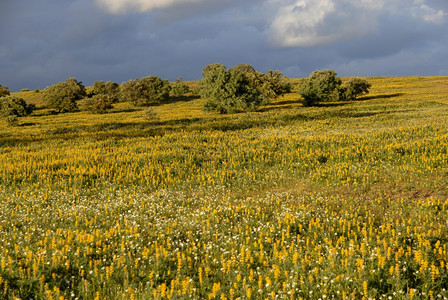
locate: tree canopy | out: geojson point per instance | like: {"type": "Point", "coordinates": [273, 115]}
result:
{"type": "Point", "coordinates": [109, 88]}
{"type": "Point", "coordinates": [62, 96]}
{"type": "Point", "coordinates": [355, 87]}
{"type": "Point", "coordinates": [319, 87]}
{"type": "Point", "coordinates": [324, 86]}
{"type": "Point", "coordinates": [146, 91]}
{"type": "Point", "coordinates": [179, 88]}
{"type": "Point", "coordinates": [100, 103]}
{"type": "Point", "coordinates": [228, 91]}
{"type": "Point", "coordinates": [240, 88]}
{"type": "Point", "coordinates": [14, 106]}
{"type": "Point", "coordinates": [4, 91]}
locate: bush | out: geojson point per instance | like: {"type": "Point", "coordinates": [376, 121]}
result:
{"type": "Point", "coordinates": [109, 88]}
{"type": "Point", "coordinates": [229, 91]}
{"type": "Point", "coordinates": [25, 90]}
{"type": "Point", "coordinates": [179, 88]}
{"type": "Point", "coordinates": [321, 86]}
{"type": "Point", "coordinates": [151, 114]}
{"type": "Point", "coordinates": [211, 68]}
{"type": "Point", "coordinates": [4, 91]}
{"type": "Point", "coordinates": [244, 68]}
{"type": "Point", "coordinates": [355, 87]}
{"type": "Point", "coordinates": [14, 106]}
{"type": "Point", "coordinates": [62, 96]}
{"type": "Point", "coordinates": [279, 84]}
{"type": "Point", "coordinates": [97, 104]}
{"type": "Point", "coordinates": [146, 91]}
{"type": "Point", "coordinates": [12, 120]}
{"type": "Point", "coordinates": [272, 84]}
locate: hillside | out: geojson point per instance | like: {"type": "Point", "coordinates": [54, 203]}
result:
{"type": "Point", "coordinates": [347, 199]}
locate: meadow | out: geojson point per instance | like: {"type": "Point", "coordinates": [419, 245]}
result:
{"type": "Point", "coordinates": [346, 200]}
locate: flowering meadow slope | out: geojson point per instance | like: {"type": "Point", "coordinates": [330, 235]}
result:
{"type": "Point", "coordinates": [346, 200]}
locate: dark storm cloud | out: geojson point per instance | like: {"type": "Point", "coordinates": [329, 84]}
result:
{"type": "Point", "coordinates": [46, 41]}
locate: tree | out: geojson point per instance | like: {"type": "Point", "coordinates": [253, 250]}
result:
{"type": "Point", "coordinates": [62, 96]}
{"type": "Point", "coordinates": [229, 91]}
{"type": "Point", "coordinates": [4, 91]}
{"type": "Point", "coordinates": [109, 88]}
{"type": "Point", "coordinates": [145, 91]}
{"type": "Point", "coordinates": [98, 103]}
{"type": "Point", "coordinates": [98, 88]}
{"type": "Point", "coordinates": [14, 106]}
{"type": "Point", "coordinates": [279, 84]}
{"type": "Point", "coordinates": [355, 87]}
{"type": "Point", "coordinates": [211, 68]}
{"type": "Point", "coordinates": [244, 68]}
{"type": "Point", "coordinates": [272, 84]}
{"type": "Point", "coordinates": [321, 86]}
{"type": "Point", "coordinates": [179, 88]}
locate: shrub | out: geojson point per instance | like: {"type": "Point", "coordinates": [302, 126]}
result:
{"type": "Point", "coordinates": [244, 68]}
{"type": "Point", "coordinates": [229, 91]}
{"type": "Point", "coordinates": [97, 104]}
{"type": "Point", "coordinates": [109, 88]}
{"type": "Point", "coordinates": [12, 120]}
{"type": "Point", "coordinates": [321, 86]}
{"type": "Point", "coordinates": [279, 84]}
{"type": "Point", "coordinates": [4, 91]}
{"type": "Point", "coordinates": [211, 68]}
{"type": "Point", "coordinates": [145, 91]}
{"type": "Point", "coordinates": [179, 88]}
{"type": "Point", "coordinates": [355, 87]}
{"type": "Point", "coordinates": [151, 114]}
{"type": "Point", "coordinates": [98, 88]}
{"type": "Point", "coordinates": [62, 96]}
{"type": "Point", "coordinates": [25, 90]}
{"type": "Point", "coordinates": [272, 84]}
{"type": "Point", "coordinates": [14, 106]}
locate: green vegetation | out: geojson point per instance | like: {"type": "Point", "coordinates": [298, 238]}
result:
{"type": "Point", "coordinates": [63, 96]}
{"type": "Point", "coordinates": [240, 88]}
{"type": "Point", "coordinates": [353, 88]}
{"type": "Point", "coordinates": [100, 103]}
{"type": "Point", "coordinates": [345, 200]}
{"type": "Point", "coordinates": [12, 107]}
{"type": "Point", "coordinates": [324, 86]}
{"type": "Point", "coordinates": [321, 86]}
{"type": "Point", "coordinates": [4, 91]}
{"type": "Point", "coordinates": [146, 91]}
{"type": "Point", "coordinates": [109, 88]}
{"type": "Point", "coordinates": [179, 88]}
{"type": "Point", "coordinates": [277, 84]}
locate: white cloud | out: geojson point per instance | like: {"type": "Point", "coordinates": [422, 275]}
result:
{"type": "Point", "coordinates": [430, 15]}
{"type": "Point", "coordinates": [306, 23]}
{"type": "Point", "coordinates": [317, 22]}
{"type": "Point", "coordinates": [125, 6]}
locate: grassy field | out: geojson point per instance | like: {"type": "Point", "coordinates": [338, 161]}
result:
{"type": "Point", "coordinates": [346, 200]}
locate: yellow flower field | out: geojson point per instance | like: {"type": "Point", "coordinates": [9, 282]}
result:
{"type": "Point", "coordinates": [347, 200]}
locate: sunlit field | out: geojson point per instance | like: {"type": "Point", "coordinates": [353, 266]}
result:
{"type": "Point", "coordinates": [347, 200]}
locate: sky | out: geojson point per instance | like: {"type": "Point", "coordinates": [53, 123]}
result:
{"type": "Point", "coordinates": [47, 41]}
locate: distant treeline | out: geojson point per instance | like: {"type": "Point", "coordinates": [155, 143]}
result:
{"type": "Point", "coordinates": [240, 88]}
